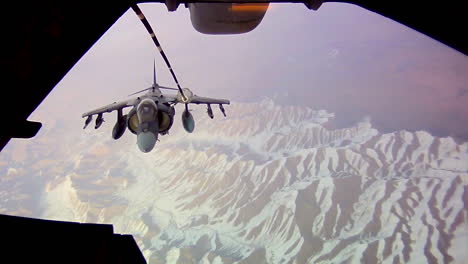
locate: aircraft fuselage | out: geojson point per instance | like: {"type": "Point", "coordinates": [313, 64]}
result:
{"type": "Point", "coordinates": [148, 119]}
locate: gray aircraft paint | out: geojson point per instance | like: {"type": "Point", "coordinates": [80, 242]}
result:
{"type": "Point", "coordinates": [188, 122]}
{"type": "Point", "coordinates": [148, 129]}
{"type": "Point", "coordinates": [143, 120]}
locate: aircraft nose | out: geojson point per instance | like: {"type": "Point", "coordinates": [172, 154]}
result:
{"type": "Point", "coordinates": [146, 141]}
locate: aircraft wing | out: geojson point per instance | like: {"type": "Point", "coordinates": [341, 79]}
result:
{"type": "Point", "coordinates": [206, 100]}
{"type": "Point", "coordinates": [195, 99]}
{"type": "Point", "coordinates": [111, 107]}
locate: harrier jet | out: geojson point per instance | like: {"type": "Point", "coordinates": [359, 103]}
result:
{"type": "Point", "coordinates": [153, 113]}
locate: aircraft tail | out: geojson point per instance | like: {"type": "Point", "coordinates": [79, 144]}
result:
{"type": "Point", "coordinates": [154, 74]}
{"type": "Point", "coordinates": [155, 84]}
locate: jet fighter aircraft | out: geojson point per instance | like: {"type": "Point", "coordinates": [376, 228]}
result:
{"type": "Point", "coordinates": [152, 113]}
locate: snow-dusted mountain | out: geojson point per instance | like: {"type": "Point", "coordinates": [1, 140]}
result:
{"type": "Point", "coordinates": [268, 184]}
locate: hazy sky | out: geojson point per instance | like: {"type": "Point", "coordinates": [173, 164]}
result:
{"type": "Point", "coordinates": [341, 58]}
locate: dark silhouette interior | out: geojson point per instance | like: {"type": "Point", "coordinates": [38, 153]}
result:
{"type": "Point", "coordinates": [28, 240]}
{"type": "Point", "coordinates": [42, 42]}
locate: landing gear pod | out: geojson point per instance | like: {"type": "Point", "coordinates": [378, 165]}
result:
{"type": "Point", "coordinates": [226, 18]}
{"type": "Point", "coordinates": [188, 121]}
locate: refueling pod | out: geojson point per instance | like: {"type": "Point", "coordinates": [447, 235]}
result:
{"type": "Point", "coordinates": [226, 18]}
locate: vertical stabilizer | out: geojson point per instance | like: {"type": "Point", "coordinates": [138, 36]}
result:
{"type": "Point", "coordinates": [154, 74]}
